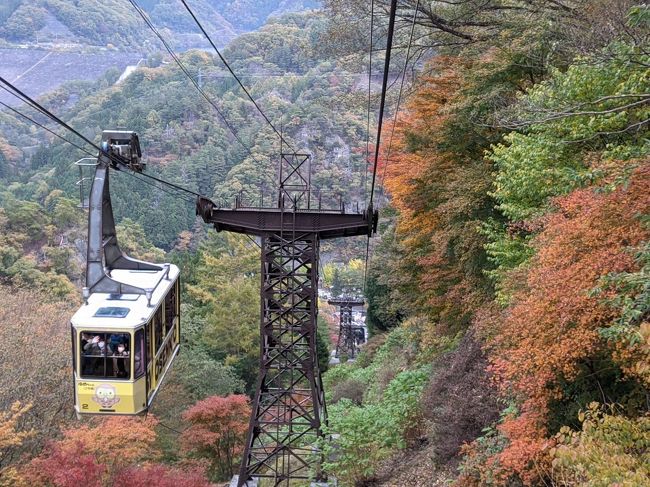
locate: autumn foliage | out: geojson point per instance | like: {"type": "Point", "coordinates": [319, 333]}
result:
{"type": "Point", "coordinates": [552, 332]}
{"type": "Point", "coordinates": [35, 367]}
{"type": "Point", "coordinates": [117, 451]}
{"type": "Point", "coordinates": [532, 237]}
{"type": "Point", "coordinates": [217, 431]}
{"type": "Point", "coordinates": [441, 192]}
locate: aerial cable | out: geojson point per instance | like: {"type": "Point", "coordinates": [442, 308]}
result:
{"type": "Point", "coordinates": [253, 240]}
{"type": "Point", "coordinates": [399, 97]}
{"type": "Point", "coordinates": [367, 159]}
{"type": "Point", "coordinates": [175, 195]}
{"type": "Point", "coordinates": [223, 60]}
{"type": "Point", "coordinates": [389, 45]}
{"type": "Point", "coordinates": [114, 158]}
{"type": "Point", "coordinates": [365, 267]}
{"type": "Point", "coordinates": [372, 28]}
{"type": "Point", "coordinates": [193, 81]}
{"type": "Point", "coordinates": [19, 94]}
{"type": "Point", "coordinates": [44, 127]}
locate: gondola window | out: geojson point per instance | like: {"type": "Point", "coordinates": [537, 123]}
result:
{"type": "Point", "coordinates": [105, 355]}
{"type": "Point", "coordinates": [139, 353]}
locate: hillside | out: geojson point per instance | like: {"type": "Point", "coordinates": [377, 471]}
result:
{"type": "Point", "coordinates": [100, 23]}
{"type": "Point", "coordinates": [507, 289]}
{"type": "Point", "coordinates": [185, 140]}
{"type": "Point", "coordinates": [46, 43]}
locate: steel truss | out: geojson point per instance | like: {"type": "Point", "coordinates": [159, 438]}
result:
{"type": "Point", "coordinates": [348, 332]}
{"type": "Point", "coordinates": [289, 406]}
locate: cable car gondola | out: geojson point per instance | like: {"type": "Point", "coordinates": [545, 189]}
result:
{"type": "Point", "coordinates": [127, 333]}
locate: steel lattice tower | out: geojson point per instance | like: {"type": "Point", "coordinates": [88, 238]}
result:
{"type": "Point", "coordinates": [347, 341]}
{"type": "Point", "coordinates": [288, 407]}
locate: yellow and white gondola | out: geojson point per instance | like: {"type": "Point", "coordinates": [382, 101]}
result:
{"type": "Point", "coordinates": [127, 333]}
{"type": "Point", "coordinates": [138, 343]}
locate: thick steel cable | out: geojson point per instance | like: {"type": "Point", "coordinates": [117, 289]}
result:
{"type": "Point", "coordinates": [367, 158]}
{"type": "Point", "coordinates": [389, 45]}
{"type": "Point", "coordinates": [367, 161]}
{"type": "Point", "coordinates": [180, 64]}
{"type": "Point", "coordinates": [223, 60]}
{"type": "Point", "coordinates": [116, 159]}
{"type": "Point", "coordinates": [24, 97]}
{"type": "Point", "coordinates": [365, 268]}
{"type": "Point", "coordinates": [18, 112]}
{"type": "Point", "coordinates": [173, 195]}
{"type": "Point", "coordinates": [399, 97]}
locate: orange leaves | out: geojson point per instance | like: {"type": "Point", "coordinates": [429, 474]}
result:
{"type": "Point", "coordinates": [66, 467]}
{"type": "Point", "coordinates": [11, 438]}
{"type": "Point", "coordinates": [116, 451]}
{"type": "Point", "coordinates": [556, 320]}
{"type": "Point", "coordinates": [553, 326]}
{"type": "Point", "coordinates": [441, 195]}
{"type": "Point", "coordinates": [218, 431]}
{"type": "Point", "coordinates": [415, 132]}
{"type": "Point", "coordinates": [9, 434]}
{"type": "Point", "coordinates": [35, 362]}
{"type": "Point", "coordinates": [116, 441]}
{"type": "Point", "coordinates": [93, 455]}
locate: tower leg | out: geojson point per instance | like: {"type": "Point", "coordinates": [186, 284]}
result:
{"type": "Point", "coordinates": [288, 408]}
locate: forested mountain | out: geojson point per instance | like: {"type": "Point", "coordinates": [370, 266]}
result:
{"type": "Point", "coordinates": [185, 139]}
{"type": "Point", "coordinates": [312, 95]}
{"type": "Point", "coordinates": [508, 288]}
{"type": "Point", "coordinates": [102, 22]}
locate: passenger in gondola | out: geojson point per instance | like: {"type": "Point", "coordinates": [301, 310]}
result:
{"type": "Point", "coordinates": [117, 338]}
{"type": "Point", "coordinates": [97, 347]}
{"type": "Point", "coordinates": [94, 350]}
{"type": "Point", "coordinates": [85, 338]}
{"type": "Point", "coordinates": [121, 360]}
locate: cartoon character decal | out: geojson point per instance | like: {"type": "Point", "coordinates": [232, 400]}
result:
{"type": "Point", "coordinates": [106, 396]}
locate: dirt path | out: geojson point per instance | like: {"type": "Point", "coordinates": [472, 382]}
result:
{"type": "Point", "coordinates": [412, 468]}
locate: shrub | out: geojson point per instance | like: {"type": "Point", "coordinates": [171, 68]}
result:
{"type": "Point", "coordinates": [459, 401]}
{"type": "Point", "coordinates": [610, 449]}
{"type": "Point", "coordinates": [217, 431]}
{"type": "Point", "coordinates": [370, 433]}
{"type": "Point", "coordinates": [351, 389]}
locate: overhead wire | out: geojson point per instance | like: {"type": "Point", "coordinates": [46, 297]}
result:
{"type": "Point", "coordinates": [173, 195]}
{"type": "Point", "coordinates": [184, 69]}
{"type": "Point", "coordinates": [389, 45]}
{"type": "Point", "coordinates": [87, 152]}
{"type": "Point", "coordinates": [24, 97]}
{"type": "Point", "coordinates": [223, 60]}
{"type": "Point", "coordinates": [112, 157]}
{"type": "Point", "coordinates": [399, 97]}
{"type": "Point", "coordinates": [253, 240]}
{"type": "Point", "coordinates": [367, 161]}
{"type": "Point", "coordinates": [18, 112]}
{"type": "Point", "coordinates": [382, 104]}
